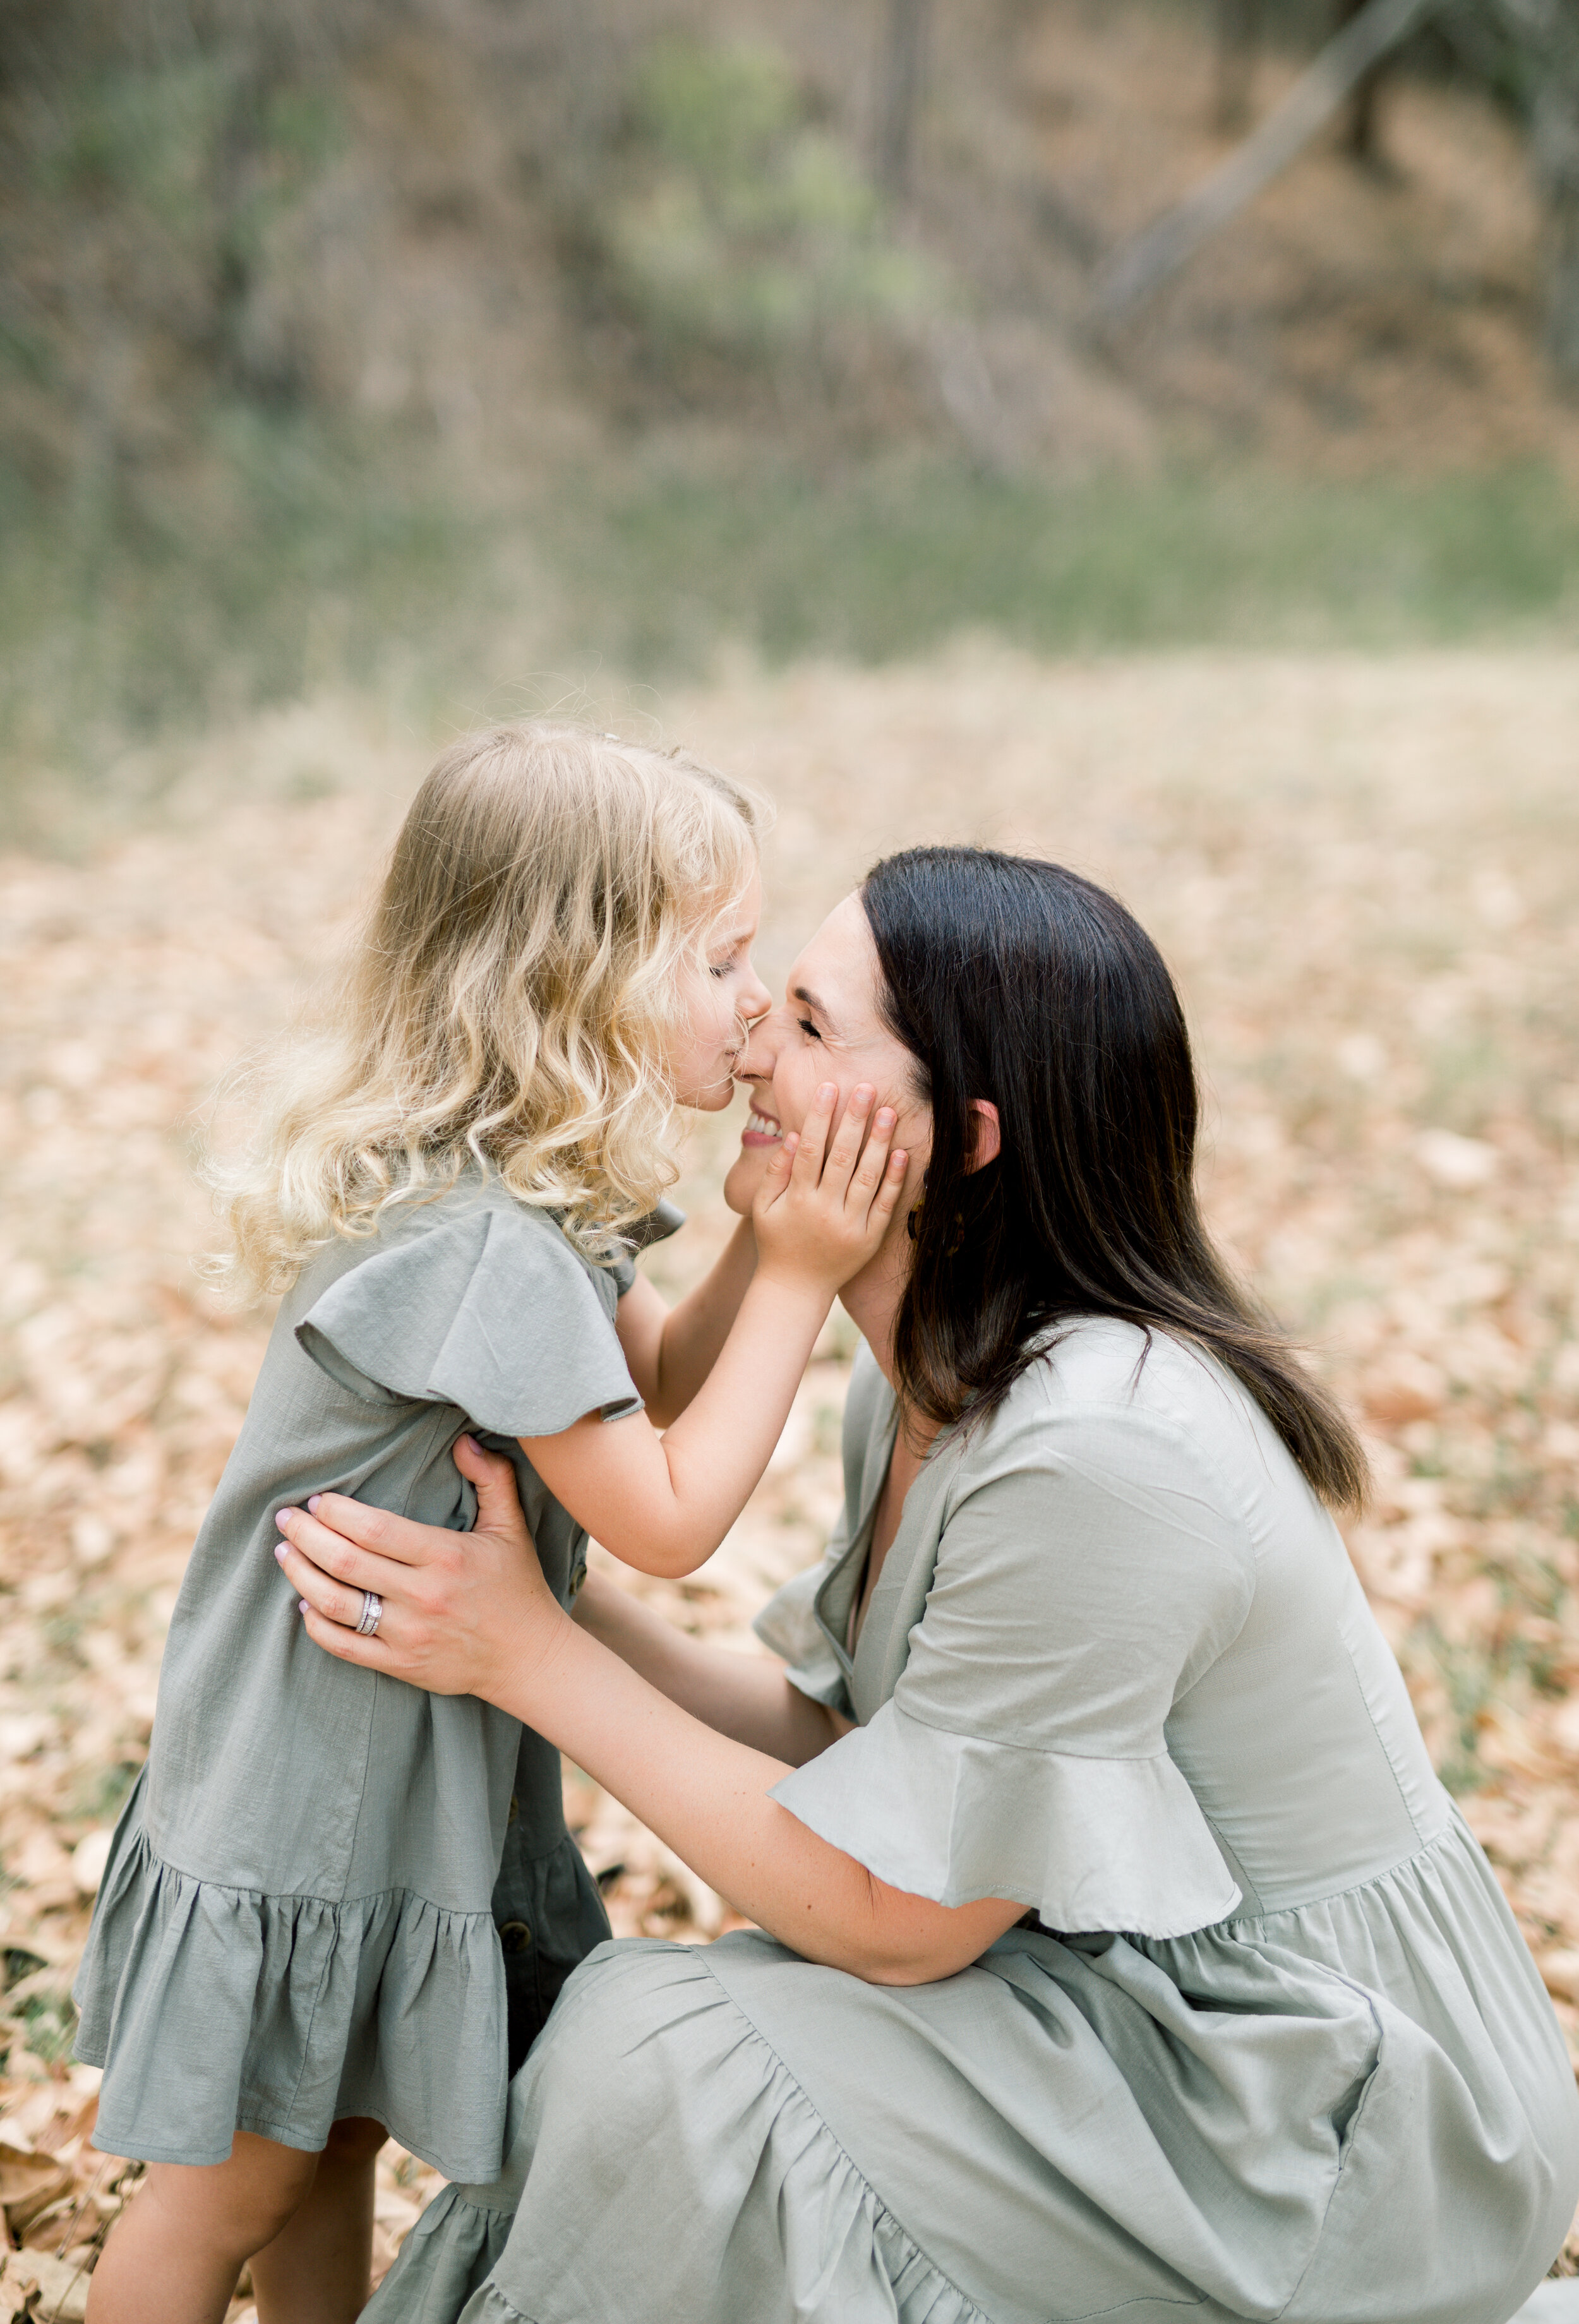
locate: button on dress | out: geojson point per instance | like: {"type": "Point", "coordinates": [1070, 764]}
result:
{"type": "Point", "coordinates": [298, 1920]}
{"type": "Point", "coordinates": [1270, 2045]}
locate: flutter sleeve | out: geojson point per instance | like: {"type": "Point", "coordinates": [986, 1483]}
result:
{"type": "Point", "coordinates": [1088, 1575]}
{"type": "Point", "coordinates": [490, 1311]}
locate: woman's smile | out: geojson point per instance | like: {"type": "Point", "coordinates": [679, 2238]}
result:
{"type": "Point", "coordinates": [760, 1129]}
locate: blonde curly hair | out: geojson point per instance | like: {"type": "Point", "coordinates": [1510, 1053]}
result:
{"type": "Point", "coordinates": [508, 1003]}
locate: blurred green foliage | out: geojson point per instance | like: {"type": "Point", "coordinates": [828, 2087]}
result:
{"type": "Point", "coordinates": [293, 554]}
{"type": "Point", "coordinates": [883, 562]}
{"type": "Point", "coordinates": [738, 223]}
{"type": "Point", "coordinates": [314, 556]}
{"type": "Point", "coordinates": [199, 513]}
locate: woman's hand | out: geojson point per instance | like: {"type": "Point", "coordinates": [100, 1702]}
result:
{"type": "Point", "coordinates": [825, 1203]}
{"type": "Point", "coordinates": [464, 1613]}
{"type": "Point", "coordinates": [470, 1613]}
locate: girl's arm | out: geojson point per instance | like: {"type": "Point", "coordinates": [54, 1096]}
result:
{"type": "Point", "coordinates": [471, 1614]}
{"type": "Point", "coordinates": [744, 1696]}
{"type": "Point", "coordinates": [669, 1351]}
{"type": "Point", "coordinates": [664, 1503]}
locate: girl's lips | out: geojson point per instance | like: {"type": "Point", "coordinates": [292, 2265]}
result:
{"type": "Point", "coordinates": [761, 1130]}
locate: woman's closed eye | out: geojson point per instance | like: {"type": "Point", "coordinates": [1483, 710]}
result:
{"type": "Point", "coordinates": [807, 1027]}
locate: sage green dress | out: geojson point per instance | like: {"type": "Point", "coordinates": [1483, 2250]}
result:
{"type": "Point", "coordinates": [331, 1893]}
{"type": "Point", "coordinates": [1271, 2045]}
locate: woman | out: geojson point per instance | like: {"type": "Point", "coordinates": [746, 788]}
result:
{"type": "Point", "coordinates": [1265, 2041]}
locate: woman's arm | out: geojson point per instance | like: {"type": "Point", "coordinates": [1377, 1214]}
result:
{"type": "Point", "coordinates": [670, 1351]}
{"type": "Point", "coordinates": [745, 1697]}
{"type": "Point", "coordinates": [471, 1614]}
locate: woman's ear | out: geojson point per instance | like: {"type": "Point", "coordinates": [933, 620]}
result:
{"type": "Point", "coordinates": [988, 1141]}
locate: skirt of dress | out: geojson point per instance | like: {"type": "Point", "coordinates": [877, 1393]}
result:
{"type": "Point", "coordinates": [1238, 2123]}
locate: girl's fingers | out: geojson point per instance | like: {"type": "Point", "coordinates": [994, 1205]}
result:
{"type": "Point", "coordinates": [775, 1179]}
{"type": "Point", "coordinates": [845, 1150]}
{"type": "Point", "coordinates": [806, 1170]}
{"type": "Point", "coordinates": [867, 1175]}
{"type": "Point", "coordinates": [885, 1200]}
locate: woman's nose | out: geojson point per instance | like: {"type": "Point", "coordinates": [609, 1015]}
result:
{"type": "Point", "coordinates": [757, 1059]}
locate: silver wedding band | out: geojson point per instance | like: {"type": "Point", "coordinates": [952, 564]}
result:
{"type": "Point", "coordinates": [371, 1614]}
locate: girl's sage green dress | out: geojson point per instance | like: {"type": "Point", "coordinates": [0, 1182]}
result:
{"type": "Point", "coordinates": [1268, 2044]}
{"type": "Point", "coordinates": [331, 1893]}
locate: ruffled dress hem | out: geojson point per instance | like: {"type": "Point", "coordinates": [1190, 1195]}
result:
{"type": "Point", "coordinates": [215, 2009]}
{"type": "Point", "coordinates": [863, 2266]}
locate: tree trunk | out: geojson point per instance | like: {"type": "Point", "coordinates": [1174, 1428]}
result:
{"type": "Point", "coordinates": [1134, 271]}
{"type": "Point", "coordinates": [1239, 40]}
{"type": "Point", "coordinates": [898, 95]}
{"type": "Point", "coordinates": [1360, 137]}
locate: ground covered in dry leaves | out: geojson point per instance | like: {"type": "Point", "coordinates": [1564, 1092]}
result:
{"type": "Point", "coordinates": [1363, 873]}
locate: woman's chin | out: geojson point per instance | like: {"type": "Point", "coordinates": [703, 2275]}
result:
{"type": "Point", "coordinates": [746, 1173]}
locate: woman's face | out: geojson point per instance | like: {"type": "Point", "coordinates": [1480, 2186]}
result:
{"type": "Point", "coordinates": [829, 1027]}
{"type": "Point", "coordinates": [718, 994]}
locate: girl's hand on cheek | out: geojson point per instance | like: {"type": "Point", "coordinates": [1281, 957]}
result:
{"type": "Point", "coordinates": [464, 1613]}
{"type": "Point", "coordinates": [824, 1207]}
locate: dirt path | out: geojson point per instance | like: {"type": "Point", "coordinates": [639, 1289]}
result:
{"type": "Point", "coordinates": [1363, 873]}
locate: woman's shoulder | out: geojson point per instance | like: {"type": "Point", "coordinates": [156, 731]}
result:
{"type": "Point", "coordinates": [1142, 1411]}
{"type": "Point", "coordinates": [1097, 1370]}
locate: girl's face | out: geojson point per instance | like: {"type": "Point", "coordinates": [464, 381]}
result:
{"type": "Point", "coordinates": [829, 1027]}
{"type": "Point", "coordinates": [718, 996]}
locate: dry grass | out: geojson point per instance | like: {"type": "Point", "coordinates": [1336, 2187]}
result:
{"type": "Point", "coordinates": [1363, 873]}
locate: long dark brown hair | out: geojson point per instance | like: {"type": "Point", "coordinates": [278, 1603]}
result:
{"type": "Point", "coordinates": [1019, 982]}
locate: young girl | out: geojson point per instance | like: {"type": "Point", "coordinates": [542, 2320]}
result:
{"type": "Point", "coordinates": [336, 1906]}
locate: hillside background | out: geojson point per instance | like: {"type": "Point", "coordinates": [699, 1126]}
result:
{"type": "Point", "coordinates": [461, 350]}
{"type": "Point", "coordinates": [368, 370]}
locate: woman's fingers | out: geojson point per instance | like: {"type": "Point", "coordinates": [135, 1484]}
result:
{"type": "Point", "coordinates": [499, 1509]}
{"type": "Point", "coordinates": [345, 1644]}
{"type": "Point", "coordinates": [336, 1601]}
{"type": "Point", "coordinates": [340, 1557]}
{"type": "Point", "coordinates": [398, 1539]}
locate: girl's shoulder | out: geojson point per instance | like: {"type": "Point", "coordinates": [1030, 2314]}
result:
{"type": "Point", "coordinates": [471, 1298]}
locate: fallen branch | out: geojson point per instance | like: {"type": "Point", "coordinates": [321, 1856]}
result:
{"type": "Point", "coordinates": [1133, 271]}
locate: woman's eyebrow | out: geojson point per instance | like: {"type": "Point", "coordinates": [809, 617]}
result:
{"type": "Point", "coordinates": [809, 1001]}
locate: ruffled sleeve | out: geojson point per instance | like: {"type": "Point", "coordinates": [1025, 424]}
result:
{"type": "Point", "coordinates": [1091, 1569]}
{"type": "Point", "coordinates": [490, 1311]}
